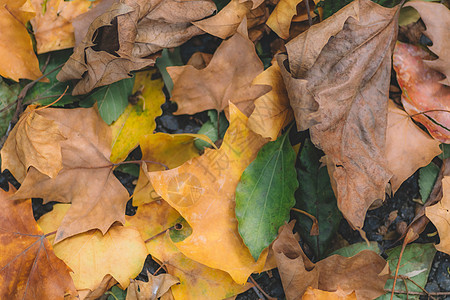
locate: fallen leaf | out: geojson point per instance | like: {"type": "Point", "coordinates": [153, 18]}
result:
{"type": "Point", "coordinates": [427, 179]}
{"type": "Point", "coordinates": [22, 62]}
{"type": "Point", "coordinates": [339, 87]}
{"type": "Point", "coordinates": [436, 17]}
{"type": "Point", "coordinates": [423, 97]}
{"type": "Point", "coordinates": [151, 290]}
{"type": "Point", "coordinates": [228, 77]}
{"type": "Point", "coordinates": [97, 196]}
{"type": "Point", "coordinates": [133, 31]}
{"type": "Point", "coordinates": [8, 96]}
{"type": "Point", "coordinates": [92, 255]}
{"type": "Point", "coordinates": [365, 273]}
{"type": "Point", "coordinates": [405, 140]}
{"type": "Point", "coordinates": [29, 268]}
{"type": "Point", "coordinates": [202, 190]}
{"type": "Point", "coordinates": [197, 281]}
{"type": "Point", "coordinates": [339, 294]}
{"type": "Point", "coordinates": [138, 119]}
{"type": "Point", "coordinates": [34, 141]}
{"type": "Point", "coordinates": [171, 150]}
{"type": "Point", "coordinates": [439, 214]}
{"type": "Point", "coordinates": [280, 19]}
{"type": "Point", "coordinates": [272, 110]}
{"type": "Point", "coordinates": [265, 194]}
{"type": "Point", "coordinates": [52, 25]}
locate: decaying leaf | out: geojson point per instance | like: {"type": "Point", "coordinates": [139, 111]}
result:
{"type": "Point", "coordinates": [52, 25]}
{"type": "Point", "coordinates": [439, 214]}
{"type": "Point", "coordinates": [272, 110]}
{"type": "Point", "coordinates": [21, 62]}
{"type": "Point", "coordinates": [280, 19]}
{"type": "Point", "coordinates": [338, 86]}
{"type": "Point", "coordinates": [436, 17]}
{"type": "Point", "coordinates": [86, 179]}
{"type": "Point", "coordinates": [404, 140]}
{"type": "Point", "coordinates": [132, 31]}
{"type": "Point", "coordinates": [29, 268]}
{"type": "Point", "coordinates": [423, 97]}
{"type": "Point", "coordinates": [197, 281]}
{"type": "Point", "coordinates": [92, 255]}
{"type": "Point", "coordinates": [151, 290]}
{"type": "Point", "coordinates": [339, 294]}
{"type": "Point", "coordinates": [138, 119]}
{"type": "Point", "coordinates": [365, 273]}
{"type": "Point", "coordinates": [228, 77]}
{"type": "Point", "coordinates": [202, 190]}
{"type": "Point", "coordinates": [34, 141]}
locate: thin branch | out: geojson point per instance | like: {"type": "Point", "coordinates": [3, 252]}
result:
{"type": "Point", "coordinates": [419, 293]}
{"type": "Point", "coordinates": [309, 13]}
{"type": "Point", "coordinates": [260, 289]}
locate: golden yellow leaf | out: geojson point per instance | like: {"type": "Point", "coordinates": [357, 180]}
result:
{"type": "Point", "coordinates": [280, 19]}
{"type": "Point", "coordinates": [272, 110]}
{"type": "Point", "coordinates": [139, 119]}
{"type": "Point", "coordinates": [91, 255]}
{"type": "Point", "coordinates": [16, 50]}
{"type": "Point", "coordinates": [339, 294]}
{"type": "Point", "coordinates": [202, 190]}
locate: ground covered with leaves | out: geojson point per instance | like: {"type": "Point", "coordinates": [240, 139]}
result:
{"type": "Point", "coordinates": [224, 149]}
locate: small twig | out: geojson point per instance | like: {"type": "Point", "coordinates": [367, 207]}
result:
{"type": "Point", "coordinates": [159, 234]}
{"type": "Point", "coordinates": [419, 286]}
{"type": "Point", "coordinates": [308, 12]}
{"type": "Point", "coordinates": [419, 293]}
{"type": "Point", "coordinates": [46, 63]}
{"type": "Point", "coordinates": [315, 226]}
{"type": "Point", "coordinates": [157, 270]}
{"type": "Point", "coordinates": [140, 161]}
{"type": "Point", "coordinates": [260, 289]}
{"type": "Point", "coordinates": [405, 242]}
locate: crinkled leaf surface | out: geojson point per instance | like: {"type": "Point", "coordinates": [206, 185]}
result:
{"type": "Point", "coordinates": [265, 194]}
{"type": "Point", "coordinates": [421, 91]}
{"type": "Point", "coordinates": [91, 255]}
{"type": "Point", "coordinates": [86, 179]}
{"type": "Point", "coordinates": [203, 189]}
{"type": "Point", "coordinates": [151, 290]}
{"type": "Point", "coordinates": [29, 268]}
{"type": "Point", "coordinates": [138, 119]}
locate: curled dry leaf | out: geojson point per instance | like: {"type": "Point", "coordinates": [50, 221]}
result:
{"type": "Point", "coordinates": [439, 214]}
{"type": "Point", "coordinates": [404, 140]}
{"type": "Point", "coordinates": [228, 77]}
{"type": "Point", "coordinates": [125, 37]}
{"type": "Point", "coordinates": [203, 189]}
{"type": "Point", "coordinates": [280, 19]}
{"type": "Point", "coordinates": [29, 268]}
{"type": "Point", "coordinates": [92, 255]}
{"type": "Point", "coordinates": [86, 179]}
{"type": "Point", "coordinates": [339, 294]}
{"type": "Point", "coordinates": [22, 62]}
{"type": "Point", "coordinates": [34, 141]}
{"type": "Point", "coordinates": [436, 17]}
{"type": "Point", "coordinates": [338, 86]}
{"type": "Point", "coordinates": [151, 290]}
{"type": "Point", "coordinates": [423, 97]}
{"type": "Point", "coordinates": [365, 274]}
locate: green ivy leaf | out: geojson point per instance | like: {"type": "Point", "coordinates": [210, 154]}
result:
{"type": "Point", "coordinates": [209, 129]}
{"type": "Point", "coordinates": [116, 293]}
{"type": "Point", "coordinates": [8, 95]}
{"type": "Point", "coordinates": [111, 99]}
{"type": "Point", "coordinates": [445, 151]}
{"type": "Point", "coordinates": [265, 194]}
{"type": "Point", "coordinates": [427, 178]}
{"type": "Point", "coordinates": [316, 197]}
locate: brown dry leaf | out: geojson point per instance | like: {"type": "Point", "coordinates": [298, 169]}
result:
{"type": "Point", "coordinates": [227, 21]}
{"type": "Point", "coordinates": [132, 31]}
{"type": "Point", "coordinates": [228, 77]}
{"type": "Point", "coordinates": [280, 19]}
{"type": "Point", "coordinates": [34, 141]}
{"type": "Point", "coordinates": [436, 17]}
{"type": "Point", "coordinates": [365, 273]}
{"type": "Point", "coordinates": [21, 62]}
{"type": "Point", "coordinates": [107, 283]}
{"type": "Point", "coordinates": [151, 290]}
{"type": "Point", "coordinates": [423, 97]}
{"type": "Point", "coordinates": [339, 294]}
{"type": "Point", "coordinates": [202, 190]}
{"type": "Point", "coordinates": [86, 179]}
{"type": "Point", "coordinates": [197, 281]}
{"type": "Point", "coordinates": [272, 110]}
{"type": "Point", "coordinates": [200, 60]}
{"type": "Point", "coordinates": [52, 25]}
{"type": "Point", "coordinates": [338, 87]}
{"type": "Point", "coordinates": [29, 269]}
{"type": "Point", "coordinates": [439, 214]}
{"type": "Point", "coordinates": [404, 140]}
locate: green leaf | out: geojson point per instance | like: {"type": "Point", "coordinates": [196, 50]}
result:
{"type": "Point", "coordinates": [445, 151]}
{"type": "Point", "coordinates": [265, 194]}
{"type": "Point", "coordinates": [116, 293]}
{"type": "Point", "coordinates": [209, 129]}
{"type": "Point", "coordinates": [416, 264]}
{"type": "Point", "coordinates": [316, 197]}
{"type": "Point", "coordinates": [111, 99]}
{"type": "Point", "coordinates": [131, 169]}
{"type": "Point", "coordinates": [354, 249]}
{"type": "Point", "coordinates": [168, 58]}
{"type": "Point", "coordinates": [47, 92]}
{"type": "Point", "coordinates": [427, 178]}
{"type": "Point", "coordinates": [221, 4]}
{"type": "Point", "coordinates": [8, 95]}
